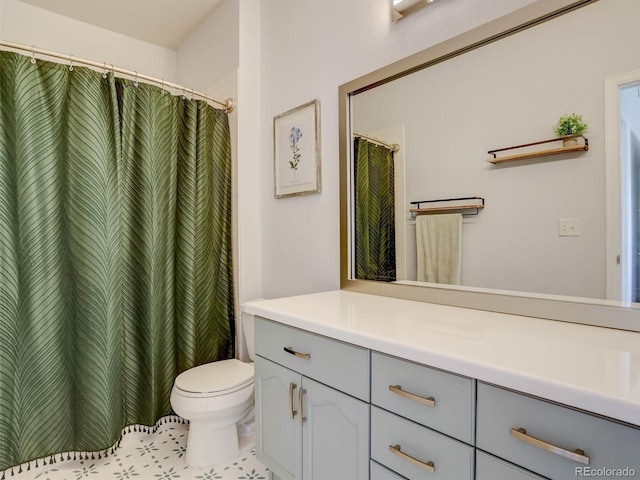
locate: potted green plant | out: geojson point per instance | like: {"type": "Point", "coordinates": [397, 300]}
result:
{"type": "Point", "coordinates": [570, 125]}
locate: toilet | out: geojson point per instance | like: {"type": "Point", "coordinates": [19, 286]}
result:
{"type": "Point", "coordinates": [218, 400]}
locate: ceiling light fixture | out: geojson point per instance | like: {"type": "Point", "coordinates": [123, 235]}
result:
{"type": "Point", "coordinates": [402, 8]}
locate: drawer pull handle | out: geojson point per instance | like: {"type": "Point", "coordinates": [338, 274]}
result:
{"type": "Point", "coordinates": [428, 401]}
{"type": "Point", "coordinates": [290, 350]}
{"type": "Point", "coordinates": [301, 393]}
{"type": "Point", "coordinates": [292, 412]}
{"type": "Point", "coordinates": [429, 466]}
{"type": "Point", "coordinates": [577, 455]}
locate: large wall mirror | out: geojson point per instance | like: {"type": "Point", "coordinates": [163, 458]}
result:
{"type": "Point", "coordinates": [558, 236]}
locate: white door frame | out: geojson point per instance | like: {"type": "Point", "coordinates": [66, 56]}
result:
{"type": "Point", "coordinates": [612, 86]}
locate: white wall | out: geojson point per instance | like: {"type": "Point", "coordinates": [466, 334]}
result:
{"type": "Point", "coordinates": [29, 25]}
{"type": "Point", "coordinates": [249, 160]}
{"type": "Point", "coordinates": [309, 48]}
{"type": "Point", "coordinates": [210, 54]}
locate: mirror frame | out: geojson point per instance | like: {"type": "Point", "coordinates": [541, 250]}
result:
{"type": "Point", "coordinates": [596, 312]}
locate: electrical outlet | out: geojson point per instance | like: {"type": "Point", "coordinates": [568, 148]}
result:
{"type": "Point", "coordinates": [569, 227]}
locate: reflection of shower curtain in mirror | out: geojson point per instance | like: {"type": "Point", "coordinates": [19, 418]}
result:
{"type": "Point", "coordinates": [375, 246]}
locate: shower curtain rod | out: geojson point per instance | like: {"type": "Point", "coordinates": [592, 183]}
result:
{"type": "Point", "coordinates": [227, 104]}
{"type": "Point", "coordinates": [394, 147]}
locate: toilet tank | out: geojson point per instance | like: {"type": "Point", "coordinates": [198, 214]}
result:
{"type": "Point", "coordinates": [248, 327]}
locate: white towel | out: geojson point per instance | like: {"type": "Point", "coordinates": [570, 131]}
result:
{"type": "Point", "coordinates": [439, 248]}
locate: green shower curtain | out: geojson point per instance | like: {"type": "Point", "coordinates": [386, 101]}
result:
{"type": "Point", "coordinates": [115, 253]}
{"type": "Point", "coordinates": [374, 209]}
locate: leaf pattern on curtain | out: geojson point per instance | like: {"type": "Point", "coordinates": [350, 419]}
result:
{"type": "Point", "coordinates": [59, 224]}
{"type": "Point", "coordinates": [115, 253]}
{"type": "Point", "coordinates": [374, 209]}
{"type": "Point", "coordinates": [205, 266]}
{"type": "Point", "coordinates": [148, 187]}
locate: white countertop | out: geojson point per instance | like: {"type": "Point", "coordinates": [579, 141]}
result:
{"type": "Point", "coordinates": [591, 368]}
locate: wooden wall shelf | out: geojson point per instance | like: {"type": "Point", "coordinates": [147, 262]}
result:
{"type": "Point", "coordinates": [583, 147]}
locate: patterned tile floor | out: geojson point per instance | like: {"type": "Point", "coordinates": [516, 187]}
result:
{"type": "Point", "coordinates": [144, 456]}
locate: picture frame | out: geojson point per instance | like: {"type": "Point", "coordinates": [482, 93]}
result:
{"type": "Point", "coordinates": [296, 151]}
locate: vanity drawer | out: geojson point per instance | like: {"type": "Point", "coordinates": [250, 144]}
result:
{"type": "Point", "coordinates": [378, 472]}
{"type": "Point", "coordinates": [450, 458]}
{"type": "Point", "coordinates": [340, 365]}
{"type": "Point", "coordinates": [605, 444]}
{"type": "Point", "coordinates": [406, 388]}
{"type": "Point", "coordinates": [489, 467]}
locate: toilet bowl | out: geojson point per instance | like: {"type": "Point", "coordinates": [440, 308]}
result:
{"type": "Point", "coordinates": [218, 400]}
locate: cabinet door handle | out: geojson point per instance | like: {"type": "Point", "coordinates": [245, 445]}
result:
{"type": "Point", "coordinates": [301, 393]}
{"type": "Point", "coordinates": [292, 412]}
{"type": "Point", "coordinates": [577, 455]}
{"type": "Point", "coordinates": [290, 350]}
{"type": "Point", "coordinates": [428, 401]}
{"type": "Point", "coordinates": [429, 466]}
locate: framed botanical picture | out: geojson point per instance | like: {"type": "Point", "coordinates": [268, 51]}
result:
{"type": "Point", "coordinates": [296, 151]}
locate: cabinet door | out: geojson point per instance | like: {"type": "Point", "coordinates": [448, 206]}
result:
{"type": "Point", "coordinates": [335, 434]}
{"type": "Point", "coordinates": [278, 436]}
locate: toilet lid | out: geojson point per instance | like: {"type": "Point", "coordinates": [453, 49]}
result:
{"type": "Point", "coordinates": [215, 376]}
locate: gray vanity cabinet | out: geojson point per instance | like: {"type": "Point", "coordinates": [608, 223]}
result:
{"type": "Point", "coordinates": [312, 411]}
{"type": "Point", "coordinates": [326, 409]}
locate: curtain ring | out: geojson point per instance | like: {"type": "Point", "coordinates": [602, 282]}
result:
{"type": "Point", "coordinates": [162, 86]}
{"type": "Point", "coordinates": [71, 63]}
{"type": "Point", "coordinates": [184, 93]}
{"type": "Point", "coordinates": [33, 55]}
{"type": "Point", "coordinates": [105, 71]}
{"type": "Point", "coordinates": [135, 81]}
